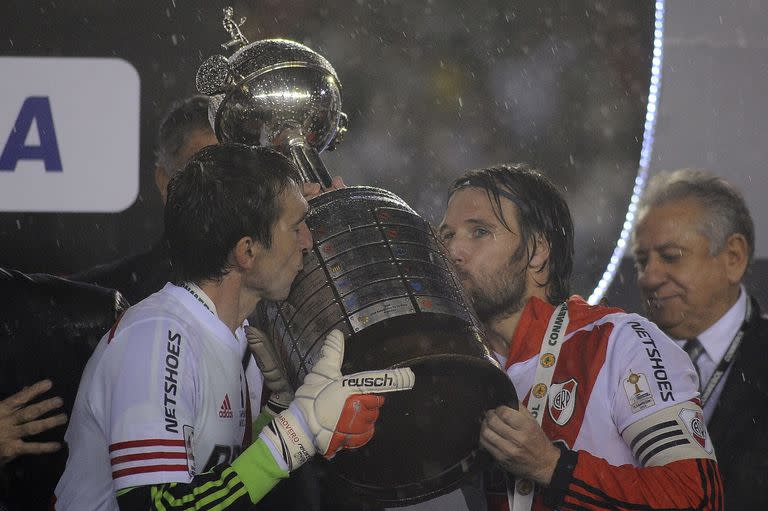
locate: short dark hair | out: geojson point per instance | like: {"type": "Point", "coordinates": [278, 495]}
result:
{"type": "Point", "coordinates": [724, 210]}
{"type": "Point", "coordinates": [224, 193]}
{"type": "Point", "coordinates": [542, 210]}
{"type": "Point", "coordinates": [184, 117]}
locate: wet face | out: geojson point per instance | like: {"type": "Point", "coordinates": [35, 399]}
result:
{"type": "Point", "coordinates": [684, 288]}
{"type": "Point", "coordinates": [277, 266]}
{"type": "Point", "coordinates": [488, 257]}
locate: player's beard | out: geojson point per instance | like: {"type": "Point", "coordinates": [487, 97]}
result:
{"type": "Point", "coordinates": [498, 294]}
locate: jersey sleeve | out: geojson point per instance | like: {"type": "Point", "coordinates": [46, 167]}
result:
{"type": "Point", "coordinates": [586, 482]}
{"type": "Point", "coordinates": [648, 372]}
{"type": "Point", "coordinates": [655, 408]}
{"type": "Point", "coordinates": [232, 487]}
{"type": "Point", "coordinates": [150, 381]}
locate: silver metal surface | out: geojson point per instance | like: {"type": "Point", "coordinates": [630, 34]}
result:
{"type": "Point", "coordinates": [373, 259]}
{"type": "Point", "coordinates": [274, 92]}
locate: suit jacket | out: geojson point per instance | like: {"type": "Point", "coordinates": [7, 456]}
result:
{"type": "Point", "coordinates": [48, 329]}
{"type": "Point", "coordinates": [136, 276]}
{"type": "Point", "coordinates": [739, 424]}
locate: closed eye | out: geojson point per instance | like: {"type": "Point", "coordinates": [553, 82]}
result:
{"type": "Point", "coordinates": [671, 256]}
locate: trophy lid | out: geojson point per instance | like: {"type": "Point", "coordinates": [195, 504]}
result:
{"type": "Point", "coordinates": [269, 54]}
{"type": "Point", "coordinates": [268, 86]}
{"type": "Point", "coordinates": [218, 74]}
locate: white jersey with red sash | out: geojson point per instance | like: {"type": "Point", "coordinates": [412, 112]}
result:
{"type": "Point", "coordinates": [624, 403]}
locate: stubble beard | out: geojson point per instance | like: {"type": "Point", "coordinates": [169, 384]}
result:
{"type": "Point", "coordinates": [498, 296]}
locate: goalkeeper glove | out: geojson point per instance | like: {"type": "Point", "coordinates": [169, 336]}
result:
{"type": "Point", "coordinates": [271, 365]}
{"type": "Point", "coordinates": [330, 411]}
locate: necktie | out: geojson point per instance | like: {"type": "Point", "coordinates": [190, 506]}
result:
{"type": "Point", "coordinates": [694, 349]}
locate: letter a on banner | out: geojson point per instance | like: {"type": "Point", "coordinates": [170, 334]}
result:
{"type": "Point", "coordinates": [38, 109]}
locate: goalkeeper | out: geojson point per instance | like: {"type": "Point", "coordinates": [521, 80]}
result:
{"type": "Point", "coordinates": [162, 418]}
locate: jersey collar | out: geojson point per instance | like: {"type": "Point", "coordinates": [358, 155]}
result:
{"type": "Point", "coordinates": [204, 315]}
{"type": "Point", "coordinates": [526, 341]}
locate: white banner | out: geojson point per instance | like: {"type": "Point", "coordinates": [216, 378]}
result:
{"type": "Point", "coordinates": [69, 134]}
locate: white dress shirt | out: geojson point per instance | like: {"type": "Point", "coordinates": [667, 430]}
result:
{"type": "Point", "coordinates": [716, 340]}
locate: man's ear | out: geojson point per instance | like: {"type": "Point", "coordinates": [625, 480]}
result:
{"type": "Point", "coordinates": [246, 252]}
{"type": "Point", "coordinates": [736, 257]}
{"type": "Point", "coordinates": [540, 252]}
{"type": "Point", "coordinates": [161, 180]}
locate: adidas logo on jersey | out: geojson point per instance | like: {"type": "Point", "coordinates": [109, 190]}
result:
{"type": "Point", "coordinates": [225, 412]}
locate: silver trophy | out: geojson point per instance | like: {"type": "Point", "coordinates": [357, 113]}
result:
{"type": "Point", "coordinates": [276, 93]}
{"type": "Point", "coordinates": [376, 271]}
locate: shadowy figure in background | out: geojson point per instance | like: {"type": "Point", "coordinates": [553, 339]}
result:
{"type": "Point", "coordinates": [608, 388]}
{"type": "Point", "coordinates": [693, 244]}
{"type": "Point", "coordinates": [48, 329]}
{"type": "Point", "coordinates": [183, 131]}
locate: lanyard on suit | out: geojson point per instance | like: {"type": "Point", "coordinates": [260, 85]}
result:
{"type": "Point", "coordinates": [722, 367]}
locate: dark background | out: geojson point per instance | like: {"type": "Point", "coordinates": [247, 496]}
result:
{"type": "Point", "coordinates": [431, 89]}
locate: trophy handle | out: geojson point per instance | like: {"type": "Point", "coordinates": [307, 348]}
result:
{"type": "Point", "coordinates": [311, 167]}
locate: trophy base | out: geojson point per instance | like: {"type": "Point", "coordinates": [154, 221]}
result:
{"type": "Point", "coordinates": [426, 440]}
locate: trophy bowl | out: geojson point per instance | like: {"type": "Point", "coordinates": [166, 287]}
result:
{"type": "Point", "coordinates": [274, 90]}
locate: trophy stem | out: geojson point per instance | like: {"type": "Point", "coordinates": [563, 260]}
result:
{"type": "Point", "coordinates": [311, 167]}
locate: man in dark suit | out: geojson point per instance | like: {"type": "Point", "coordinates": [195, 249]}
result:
{"type": "Point", "coordinates": [692, 245]}
{"type": "Point", "coordinates": [184, 131]}
{"type": "Point", "coordinates": [48, 329]}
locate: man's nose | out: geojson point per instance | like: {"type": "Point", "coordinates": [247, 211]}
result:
{"type": "Point", "coordinates": [456, 250]}
{"type": "Point", "coordinates": [305, 237]}
{"type": "Point", "coordinates": [651, 276]}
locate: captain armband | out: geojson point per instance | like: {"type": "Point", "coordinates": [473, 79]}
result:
{"type": "Point", "coordinates": [674, 433]}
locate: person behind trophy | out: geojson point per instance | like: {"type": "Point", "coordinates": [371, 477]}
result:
{"type": "Point", "coordinates": [183, 131]}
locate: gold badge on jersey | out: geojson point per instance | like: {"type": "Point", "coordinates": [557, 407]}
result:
{"type": "Point", "coordinates": [547, 360]}
{"type": "Point", "coordinates": [189, 440]}
{"type": "Point", "coordinates": [638, 391]}
{"type": "Point", "coordinates": [539, 390]}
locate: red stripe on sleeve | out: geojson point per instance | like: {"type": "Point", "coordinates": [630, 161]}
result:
{"type": "Point", "coordinates": [147, 469]}
{"type": "Point", "coordinates": [149, 456]}
{"type": "Point", "coordinates": [146, 443]}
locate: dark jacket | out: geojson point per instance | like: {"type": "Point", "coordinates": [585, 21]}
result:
{"type": "Point", "coordinates": [739, 425]}
{"type": "Point", "coordinates": [136, 276]}
{"type": "Point", "coordinates": [48, 329]}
